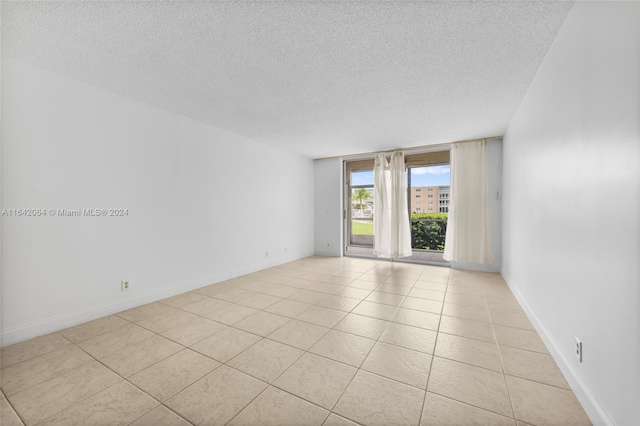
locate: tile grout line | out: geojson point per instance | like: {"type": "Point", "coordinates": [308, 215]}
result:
{"type": "Point", "coordinates": [183, 348]}
{"type": "Point", "coordinates": [307, 351]}
{"type": "Point", "coordinates": [331, 411]}
{"type": "Point", "coordinates": [289, 319]}
{"type": "Point", "coordinates": [471, 405]}
{"type": "Point", "coordinates": [125, 379]}
{"type": "Point", "coordinates": [272, 384]}
{"type": "Point", "coordinates": [244, 350]}
{"type": "Point", "coordinates": [365, 358]}
{"type": "Point", "coordinates": [435, 344]}
{"type": "Point", "coordinates": [504, 375]}
{"type": "Point", "coordinates": [58, 375]}
{"type": "Point", "coordinates": [6, 398]}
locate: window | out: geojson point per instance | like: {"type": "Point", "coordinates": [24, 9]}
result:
{"type": "Point", "coordinates": [425, 173]}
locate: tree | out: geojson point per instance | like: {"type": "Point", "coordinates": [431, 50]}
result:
{"type": "Point", "coordinates": [361, 195]}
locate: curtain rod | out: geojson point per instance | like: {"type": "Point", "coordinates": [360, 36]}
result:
{"type": "Point", "coordinates": [413, 148]}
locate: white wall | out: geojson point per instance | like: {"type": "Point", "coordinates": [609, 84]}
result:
{"type": "Point", "coordinates": [328, 175]}
{"type": "Point", "coordinates": [1, 196]}
{"type": "Point", "coordinates": [204, 204]}
{"type": "Point", "coordinates": [571, 205]}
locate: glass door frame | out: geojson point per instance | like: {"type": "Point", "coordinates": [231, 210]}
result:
{"type": "Point", "coordinates": [348, 210]}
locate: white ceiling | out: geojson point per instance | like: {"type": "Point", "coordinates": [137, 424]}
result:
{"type": "Point", "coordinates": [318, 78]}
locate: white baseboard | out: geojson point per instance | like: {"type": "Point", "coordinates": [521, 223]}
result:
{"type": "Point", "coordinates": [269, 264]}
{"type": "Point", "coordinates": [587, 399]}
{"type": "Point", "coordinates": [50, 325]}
{"type": "Point", "coordinates": [328, 253]}
{"type": "Point", "coordinates": [467, 266]}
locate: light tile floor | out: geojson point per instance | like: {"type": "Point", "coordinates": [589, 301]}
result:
{"type": "Point", "coordinates": [333, 341]}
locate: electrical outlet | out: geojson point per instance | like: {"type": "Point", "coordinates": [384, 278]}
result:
{"type": "Point", "coordinates": [579, 349]}
{"type": "Point", "coordinates": [126, 285]}
{"type": "Point", "coordinates": [266, 253]}
{"type": "Point", "coordinates": [328, 244]}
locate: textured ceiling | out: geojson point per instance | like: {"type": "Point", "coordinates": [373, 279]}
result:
{"type": "Point", "coordinates": [318, 78]}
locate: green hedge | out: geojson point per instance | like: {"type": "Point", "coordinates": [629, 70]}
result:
{"type": "Point", "coordinates": [434, 216]}
{"type": "Point", "coordinates": [428, 233]}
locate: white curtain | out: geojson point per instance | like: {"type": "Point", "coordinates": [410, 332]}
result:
{"type": "Point", "coordinates": [468, 237]}
{"type": "Point", "coordinates": [392, 236]}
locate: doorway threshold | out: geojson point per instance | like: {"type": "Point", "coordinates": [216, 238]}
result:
{"type": "Point", "coordinates": [422, 257]}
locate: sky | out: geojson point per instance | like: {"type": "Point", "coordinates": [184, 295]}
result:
{"type": "Point", "coordinates": [420, 176]}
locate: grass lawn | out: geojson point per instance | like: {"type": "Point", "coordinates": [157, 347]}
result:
{"type": "Point", "coordinates": [361, 228]}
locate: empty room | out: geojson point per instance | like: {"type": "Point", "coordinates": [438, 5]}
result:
{"type": "Point", "coordinates": [320, 213]}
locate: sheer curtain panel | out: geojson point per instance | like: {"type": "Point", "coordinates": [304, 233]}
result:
{"type": "Point", "coordinates": [467, 237]}
{"type": "Point", "coordinates": [392, 236]}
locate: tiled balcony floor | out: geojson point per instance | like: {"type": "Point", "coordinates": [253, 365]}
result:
{"type": "Point", "coordinates": [418, 256]}
{"type": "Point", "coordinates": [333, 341]}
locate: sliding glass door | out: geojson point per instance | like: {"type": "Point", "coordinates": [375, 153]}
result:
{"type": "Point", "coordinates": [359, 208]}
{"type": "Point", "coordinates": [428, 181]}
{"type": "Point", "coordinates": [428, 201]}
